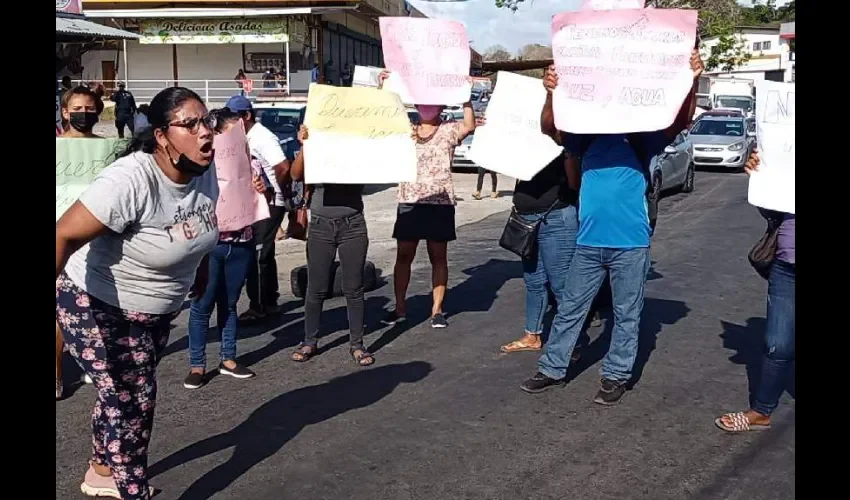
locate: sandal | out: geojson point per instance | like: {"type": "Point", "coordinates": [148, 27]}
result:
{"type": "Point", "coordinates": [361, 356]}
{"type": "Point", "coordinates": [304, 353]}
{"type": "Point", "coordinates": [251, 315]}
{"type": "Point", "coordinates": [740, 423]}
{"type": "Point", "coordinates": [476, 195]}
{"type": "Point", "coordinates": [521, 345]}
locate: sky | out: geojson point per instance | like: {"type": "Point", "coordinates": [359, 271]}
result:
{"type": "Point", "coordinates": [488, 25]}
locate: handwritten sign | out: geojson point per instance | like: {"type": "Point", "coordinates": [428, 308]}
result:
{"type": "Point", "coordinates": [239, 204]}
{"type": "Point", "coordinates": [773, 186]}
{"type": "Point", "coordinates": [358, 135]}
{"type": "Point", "coordinates": [431, 58]}
{"type": "Point", "coordinates": [513, 117]}
{"type": "Point", "coordinates": [78, 162]}
{"type": "Point", "coordinates": [365, 76]}
{"type": "Point", "coordinates": [611, 4]}
{"type": "Point", "coordinates": [621, 71]}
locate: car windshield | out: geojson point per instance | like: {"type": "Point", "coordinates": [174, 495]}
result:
{"type": "Point", "coordinates": [735, 102]}
{"type": "Point", "coordinates": [734, 128]}
{"type": "Point", "coordinates": [282, 122]}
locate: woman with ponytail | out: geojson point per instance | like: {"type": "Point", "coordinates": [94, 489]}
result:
{"type": "Point", "coordinates": [127, 254]}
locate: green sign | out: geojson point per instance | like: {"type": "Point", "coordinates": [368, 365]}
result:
{"type": "Point", "coordinates": [78, 161]}
{"type": "Point", "coordinates": [218, 30]}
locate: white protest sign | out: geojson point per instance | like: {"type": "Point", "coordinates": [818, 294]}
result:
{"type": "Point", "coordinates": [773, 186]}
{"type": "Point", "coordinates": [357, 135]}
{"type": "Point", "coordinates": [365, 76]}
{"type": "Point", "coordinates": [621, 71]}
{"type": "Point", "coordinates": [511, 142]}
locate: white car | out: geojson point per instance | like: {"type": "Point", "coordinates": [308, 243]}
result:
{"type": "Point", "coordinates": [722, 141]}
{"type": "Point", "coordinates": [282, 117]}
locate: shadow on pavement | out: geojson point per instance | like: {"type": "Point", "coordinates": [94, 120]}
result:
{"type": "Point", "coordinates": [475, 294]}
{"type": "Point", "coordinates": [275, 423]}
{"type": "Point", "coordinates": [748, 341]}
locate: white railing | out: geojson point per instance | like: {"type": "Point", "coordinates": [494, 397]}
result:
{"type": "Point", "coordinates": [212, 91]}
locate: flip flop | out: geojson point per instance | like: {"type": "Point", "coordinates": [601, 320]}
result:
{"type": "Point", "coordinates": [740, 423]}
{"type": "Point", "coordinates": [518, 346]}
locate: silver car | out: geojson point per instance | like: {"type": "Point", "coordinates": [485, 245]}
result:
{"type": "Point", "coordinates": [674, 167]}
{"type": "Point", "coordinates": [723, 142]}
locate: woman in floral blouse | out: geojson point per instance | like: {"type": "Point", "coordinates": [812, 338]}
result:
{"type": "Point", "coordinates": [426, 209]}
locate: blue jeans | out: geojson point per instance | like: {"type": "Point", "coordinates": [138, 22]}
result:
{"type": "Point", "coordinates": [627, 269]}
{"type": "Point", "coordinates": [778, 358]}
{"type": "Point", "coordinates": [556, 243]}
{"type": "Point", "coordinates": [228, 269]}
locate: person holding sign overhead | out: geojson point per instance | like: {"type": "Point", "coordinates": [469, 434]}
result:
{"type": "Point", "coordinates": [426, 209]}
{"type": "Point", "coordinates": [337, 225]}
{"type": "Point", "coordinates": [613, 237]}
{"type": "Point", "coordinates": [228, 268]}
{"type": "Point", "coordinates": [128, 252]}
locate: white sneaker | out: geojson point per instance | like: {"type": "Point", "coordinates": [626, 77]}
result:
{"type": "Point", "coordinates": [87, 379]}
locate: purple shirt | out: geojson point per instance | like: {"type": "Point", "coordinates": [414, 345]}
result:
{"type": "Point", "coordinates": [785, 244]}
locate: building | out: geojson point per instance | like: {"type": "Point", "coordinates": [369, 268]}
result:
{"type": "Point", "coordinates": [201, 44]}
{"type": "Point", "coordinates": [787, 34]}
{"type": "Point", "coordinates": [771, 54]}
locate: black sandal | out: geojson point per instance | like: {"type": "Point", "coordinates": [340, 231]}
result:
{"type": "Point", "coordinates": [363, 359]}
{"type": "Point", "coordinates": [304, 353]}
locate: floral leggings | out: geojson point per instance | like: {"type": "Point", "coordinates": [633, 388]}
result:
{"type": "Point", "coordinates": [119, 350]}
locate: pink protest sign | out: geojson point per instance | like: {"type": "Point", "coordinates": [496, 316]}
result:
{"type": "Point", "coordinates": [611, 4]}
{"type": "Point", "coordinates": [621, 71]}
{"type": "Point", "coordinates": [239, 204]}
{"type": "Point", "coordinates": [429, 57]}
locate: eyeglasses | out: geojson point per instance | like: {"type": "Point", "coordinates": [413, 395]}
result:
{"type": "Point", "coordinates": [194, 124]}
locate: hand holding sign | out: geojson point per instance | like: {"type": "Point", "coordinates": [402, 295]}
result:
{"type": "Point", "coordinates": [239, 204]}
{"type": "Point", "coordinates": [621, 71]}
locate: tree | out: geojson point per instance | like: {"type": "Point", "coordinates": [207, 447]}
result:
{"type": "Point", "coordinates": [497, 53]}
{"type": "Point", "coordinates": [534, 52]}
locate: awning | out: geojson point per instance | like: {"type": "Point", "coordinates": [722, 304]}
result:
{"type": "Point", "coordinates": [77, 27]}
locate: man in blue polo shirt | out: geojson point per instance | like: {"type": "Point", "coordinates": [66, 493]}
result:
{"type": "Point", "coordinates": [613, 238]}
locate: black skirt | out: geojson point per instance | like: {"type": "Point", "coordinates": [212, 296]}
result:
{"type": "Point", "coordinates": [416, 222]}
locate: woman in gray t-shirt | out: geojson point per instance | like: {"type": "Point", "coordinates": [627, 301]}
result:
{"type": "Point", "coordinates": [126, 257]}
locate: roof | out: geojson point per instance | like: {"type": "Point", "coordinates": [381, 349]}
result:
{"type": "Point", "coordinates": [78, 27]}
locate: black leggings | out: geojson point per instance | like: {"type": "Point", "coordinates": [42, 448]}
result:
{"type": "Point", "coordinates": [481, 172]}
{"type": "Point", "coordinates": [347, 235]}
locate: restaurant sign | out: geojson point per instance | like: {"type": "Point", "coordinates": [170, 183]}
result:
{"type": "Point", "coordinates": [221, 30]}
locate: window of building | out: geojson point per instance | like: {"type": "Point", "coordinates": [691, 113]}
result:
{"type": "Point", "coordinates": [765, 45]}
{"type": "Point", "coordinates": [756, 45]}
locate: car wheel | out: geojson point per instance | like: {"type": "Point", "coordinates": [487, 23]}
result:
{"type": "Point", "coordinates": [688, 185]}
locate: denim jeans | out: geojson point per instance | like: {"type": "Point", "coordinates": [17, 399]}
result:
{"type": "Point", "coordinates": [556, 243]}
{"type": "Point", "coordinates": [349, 237]}
{"type": "Point", "coordinates": [778, 358]}
{"type": "Point", "coordinates": [627, 269]}
{"type": "Point", "coordinates": [228, 268]}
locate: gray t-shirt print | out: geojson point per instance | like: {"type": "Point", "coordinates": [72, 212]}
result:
{"type": "Point", "coordinates": [160, 232]}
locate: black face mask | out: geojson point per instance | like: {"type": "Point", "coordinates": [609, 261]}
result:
{"type": "Point", "coordinates": [83, 121]}
{"type": "Point", "coordinates": [186, 166]}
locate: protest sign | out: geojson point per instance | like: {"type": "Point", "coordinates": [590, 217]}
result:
{"type": "Point", "coordinates": [78, 161]}
{"type": "Point", "coordinates": [511, 142]}
{"type": "Point", "coordinates": [239, 204]}
{"type": "Point", "coordinates": [611, 4]}
{"type": "Point", "coordinates": [621, 71]}
{"type": "Point", "coordinates": [773, 186]}
{"type": "Point", "coordinates": [357, 135]}
{"type": "Point", "coordinates": [431, 59]}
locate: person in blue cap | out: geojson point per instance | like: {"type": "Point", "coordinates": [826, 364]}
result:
{"type": "Point", "coordinates": [262, 283]}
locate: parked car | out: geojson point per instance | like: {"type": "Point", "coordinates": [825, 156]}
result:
{"type": "Point", "coordinates": [283, 118]}
{"type": "Point", "coordinates": [459, 160]}
{"type": "Point", "coordinates": [723, 142]}
{"type": "Point", "coordinates": [674, 167]}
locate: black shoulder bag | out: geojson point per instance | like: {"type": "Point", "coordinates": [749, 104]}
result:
{"type": "Point", "coordinates": [763, 253]}
{"type": "Point", "coordinates": [520, 237]}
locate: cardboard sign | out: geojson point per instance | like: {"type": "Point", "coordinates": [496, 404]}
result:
{"type": "Point", "coordinates": [621, 71]}
{"type": "Point", "coordinates": [431, 59]}
{"type": "Point", "coordinates": [357, 135]}
{"type": "Point", "coordinates": [78, 162]}
{"type": "Point", "coordinates": [511, 142]}
{"type": "Point", "coordinates": [773, 185]}
{"type": "Point", "coordinates": [239, 205]}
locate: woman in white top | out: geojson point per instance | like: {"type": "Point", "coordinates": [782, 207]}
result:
{"type": "Point", "coordinates": [127, 253]}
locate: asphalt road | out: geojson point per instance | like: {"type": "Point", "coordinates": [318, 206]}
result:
{"type": "Point", "coordinates": [440, 416]}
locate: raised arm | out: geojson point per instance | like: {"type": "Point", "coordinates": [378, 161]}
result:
{"type": "Point", "coordinates": [547, 116]}
{"type": "Point", "coordinates": [468, 126]}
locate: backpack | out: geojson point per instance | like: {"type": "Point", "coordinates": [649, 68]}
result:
{"type": "Point", "coordinates": [640, 152]}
